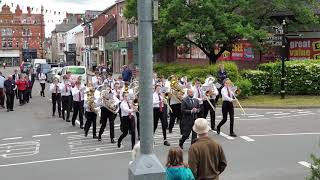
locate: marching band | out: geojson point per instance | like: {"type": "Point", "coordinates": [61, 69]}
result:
{"type": "Point", "coordinates": [175, 99]}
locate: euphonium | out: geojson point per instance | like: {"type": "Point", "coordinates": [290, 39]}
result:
{"type": "Point", "coordinates": [108, 102]}
{"type": "Point", "coordinates": [176, 90]}
{"type": "Point", "coordinates": [90, 99]}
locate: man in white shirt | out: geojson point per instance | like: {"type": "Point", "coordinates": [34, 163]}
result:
{"type": "Point", "coordinates": [109, 81]}
{"type": "Point", "coordinates": [96, 80]}
{"type": "Point", "coordinates": [211, 95]}
{"type": "Point", "coordinates": [2, 79]}
{"type": "Point", "coordinates": [78, 101]}
{"type": "Point", "coordinates": [227, 107]}
{"type": "Point", "coordinates": [91, 113]}
{"type": "Point", "coordinates": [159, 113]}
{"type": "Point", "coordinates": [65, 93]}
{"type": "Point", "coordinates": [198, 94]}
{"type": "Point", "coordinates": [56, 88]}
{"type": "Point", "coordinates": [175, 105]}
{"type": "Point", "coordinates": [128, 121]}
{"type": "Point", "coordinates": [42, 79]}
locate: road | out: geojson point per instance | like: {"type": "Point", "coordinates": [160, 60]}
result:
{"type": "Point", "coordinates": [272, 144]}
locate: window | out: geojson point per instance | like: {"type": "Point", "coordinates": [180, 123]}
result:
{"type": "Point", "coordinates": [121, 29]}
{"type": "Point", "coordinates": [61, 46]}
{"type": "Point", "coordinates": [135, 30]}
{"type": "Point", "coordinates": [4, 42]}
{"type": "Point", "coordinates": [121, 11]}
{"type": "Point", "coordinates": [128, 30]}
{"type": "Point", "coordinates": [17, 44]}
{"type": "Point", "coordinates": [10, 42]}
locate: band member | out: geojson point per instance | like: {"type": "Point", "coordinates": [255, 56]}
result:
{"type": "Point", "coordinates": [227, 106]}
{"type": "Point", "coordinates": [65, 93]}
{"type": "Point", "coordinates": [190, 108]}
{"type": "Point", "coordinates": [109, 109]}
{"type": "Point", "coordinates": [42, 79]}
{"type": "Point", "coordinates": [29, 89]}
{"type": "Point", "coordinates": [136, 107]}
{"type": "Point", "coordinates": [78, 100]}
{"type": "Point", "coordinates": [117, 92]}
{"type": "Point", "coordinates": [72, 83]}
{"type": "Point", "coordinates": [199, 95]}
{"type": "Point", "coordinates": [109, 80]}
{"type": "Point", "coordinates": [9, 88]}
{"type": "Point", "coordinates": [90, 105]}
{"type": "Point", "coordinates": [22, 87]}
{"type": "Point", "coordinates": [56, 88]}
{"type": "Point", "coordinates": [184, 81]}
{"type": "Point", "coordinates": [175, 105]}
{"type": "Point", "coordinates": [32, 78]}
{"type": "Point", "coordinates": [222, 75]}
{"type": "Point", "coordinates": [211, 94]}
{"type": "Point", "coordinates": [159, 113]}
{"type": "Point", "coordinates": [96, 80]}
{"type": "Point", "coordinates": [128, 121]}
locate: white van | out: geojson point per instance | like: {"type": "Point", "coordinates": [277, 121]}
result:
{"type": "Point", "coordinates": [36, 62]}
{"type": "Point", "coordinates": [76, 71]}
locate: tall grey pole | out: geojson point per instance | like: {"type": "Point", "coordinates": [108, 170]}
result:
{"type": "Point", "coordinates": [146, 166]}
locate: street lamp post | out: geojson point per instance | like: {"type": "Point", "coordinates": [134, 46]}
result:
{"type": "Point", "coordinates": [283, 59]}
{"type": "Point", "coordinates": [146, 166]}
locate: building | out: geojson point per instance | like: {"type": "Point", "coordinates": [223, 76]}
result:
{"type": "Point", "coordinates": [74, 44]}
{"type": "Point", "coordinates": [21, 35]}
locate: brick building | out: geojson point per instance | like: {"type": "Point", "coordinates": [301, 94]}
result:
{"type": "Point", "coordinates": [21, 35]}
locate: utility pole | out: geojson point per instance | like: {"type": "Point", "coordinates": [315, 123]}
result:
{"type": "Point", "coordinates": [283, 59]}
{"type": "Point", "coordinates": [146, 166]}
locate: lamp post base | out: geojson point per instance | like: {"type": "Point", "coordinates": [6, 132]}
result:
{"type": "Point", "coordinates": [146, 167]}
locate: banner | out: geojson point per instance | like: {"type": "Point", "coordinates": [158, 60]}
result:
{"type": "Point", "coordinates": [304, 49]}
{"type": "Point", "coordinates": [241, 51]}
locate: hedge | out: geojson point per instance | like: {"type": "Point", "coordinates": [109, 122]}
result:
{"type": "Point", "coordinates": [245, 86]}
{"type": "Point", "coordinates": [261, 81]}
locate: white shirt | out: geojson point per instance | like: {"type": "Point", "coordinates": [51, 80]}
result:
{"type": "Point", "coordinates": [118, 94]}
{"type": "Point", "coordinates": [2, 79]}
{"type": "Point", "coordinates": [75, 93]}
{"type": "Point", "coordinates": [65, 89]}
{"type": "Point", "coordinates": [109, 82]}
{"type": "Point", "coordinates": [125, 109]}
{"type": "Point", "coordinates": [115, 99]}
{"type": "Point", "coordinates": [86, 107]}
{"type": "Point", "coordinates": [157, 101]}
{"type": "Point", "coordinates": [96, 81]}
{"type": "Point", "coordinates": [198, 94]}
{"type": "Point", "coordinates": [225, 95]}
{"type": "Point", "coordinates": [215, 91]}
{"type": "Point", "coordinates": [55, 88]}
{"type": "Point", "coordinates": [42, 78]}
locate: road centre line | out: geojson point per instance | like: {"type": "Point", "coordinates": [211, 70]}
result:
{"type": "Point", "coordinates": [247, 138]}
{"type": "Point", "coordinates": [303, 112]}
{"type": "Point", "coordinates": [305, 164]}
{"type": "Point", "coordinates": [258, 119]}
{"type": "Point", "coordinates": [13, 138]}
{"type": "Point", "coordinates": [287, 134]}
{"type": "Point", "coordinates": [41, 135]}
{"type": "Point", "coordinates": [62, 159]}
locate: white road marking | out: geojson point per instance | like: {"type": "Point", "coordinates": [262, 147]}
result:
{"type": "Point", "coordinates": [78, 122]}
{"type": "Point", "coordinates": [287, 134]}
{"type": "Point", "coordinates": [236, 117]}
{"type": "Point", "coordinates": [303, 112]}
{"type": "Point", "coordinates": [247, 138]}
{"type": "Point", "coordinates": [281, 114]}
{"type": "Point", "coordinates": [273, 112]}
{"type": "Point", "coordinates": [13, 138]}
{"type": "Point", "coordinates": [41, 135]}
{"type": "Point", "coordinates": [19, 149]}
{"type": "Point", "coordinates": [294, 115]}
{"type": "Point", "coordinates": [226, 136]}
{"type": "Point", "coordinates": [258, 119]}
{"type": "Point", "coordinates": [64, 133]}
{"type": "Point", "coordinates": [256, 116]}
{"type": "Point", "coordinates": [62, 159]}
{"type": "Point", "coordinates": [305, 164]}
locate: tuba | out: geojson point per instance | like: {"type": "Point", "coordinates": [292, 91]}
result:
{"type": "Point", "coordinates": [108, 101]}
{"type": "Point", "coordinates": [176, 90]}
{"type": "Point", "coordinates": [90, 99]}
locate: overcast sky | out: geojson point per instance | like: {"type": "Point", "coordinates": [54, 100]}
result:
{"type": "Point", "coordinates": [62, 6]}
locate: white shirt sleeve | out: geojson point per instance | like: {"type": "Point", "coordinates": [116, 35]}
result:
{"type": "Point", "coordinates": [155, 100]}
{"type": "Point", "coordinates": [224, 93]}
{"type": "Point", "coordinates": [215, 90]}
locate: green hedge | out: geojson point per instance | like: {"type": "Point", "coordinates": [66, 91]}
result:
{"type": "Point", "coordinates": [245, 86]}
{"type": "Point", "coordinates": [261, 81]}
{"type": "Point", "coordinates": [302, 77]}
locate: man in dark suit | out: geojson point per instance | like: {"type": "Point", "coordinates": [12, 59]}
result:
{"type": "Point", "coordinates": [15, 78]}
{"type": "Point", "coordinates": [189, 107]}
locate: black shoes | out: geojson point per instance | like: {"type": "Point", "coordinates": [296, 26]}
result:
{"type": "Point", "coordinates": [119, 145]}
{"type": "Point", "coordinates": [68, 120]}
{"type": "Point", "coordinates": [81, 126]}
{"type": "Point", "coordinates": [85, 134]}
{"type": "Point", "coordinates": [99, 139]}
{"type": "Point", "coordinates": [95, 137]}
{"type": "Point", "coordinates": [170, 131]}
{"type": "Point", "coordinates": [166, 143]}
{"type": "Point", "coordinates": [233, 135]}
{"type": "Point", "coordinates": [8, 110]}
{"type": "Point", "coordinates": [112, 141]}
{"type": "Point", "coordinates": [218, 130]}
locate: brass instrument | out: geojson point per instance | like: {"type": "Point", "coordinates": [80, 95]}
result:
{"type": "Point", "coordinates": [135, 104]}
{"type": "Point", "coordinates": [166, 100]}
{"type": "Point", "coordinates": [176, 91]}
{"type": "Point", "coordinates": [90, 99]}
{"type": "Point", "coordinates": [108, 102]}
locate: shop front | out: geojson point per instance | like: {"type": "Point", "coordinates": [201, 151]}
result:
{"type": "Point", "coordinates": [10, 57]}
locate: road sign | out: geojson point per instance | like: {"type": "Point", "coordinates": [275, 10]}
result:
{"type": "Point", "coordinates": [274, 40]}
{"type": "Point", "coordinates": [123, 51]}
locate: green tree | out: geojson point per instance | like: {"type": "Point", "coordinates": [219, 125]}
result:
{"type": "Point", "coordinates": [315, 168]}
{"type": "Point", "coordinates": [215, 26]}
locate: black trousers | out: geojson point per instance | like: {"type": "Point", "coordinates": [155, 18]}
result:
{"type": "Point", "coordinates": [10, 101]}
{"type": "Point", "coordinates": [186, 130]}
{"type": "Point", "coordinates": [128, 124]}
{"type": "Point", "coordinates": [65, 107]}
{"type": "Point", "coordinates": [22, 96]}
{"type": "Point", "coordinates": [105, 115]}
{"type": "Point", "coordinates": [219, 95]}
{"type": "Point", "coordinates": [201, 113]}
{"type": "Point", "coordinates": [56, 100]}
{"type": "Point", "coordinates": [207, 108]}
{"type": "Point", "coordinates": [138, 123]}
{"type": "Point", "coordinates": [77, 108]}
{"type": "Point", "coordinates": [91, 119]}
{"type": "Point", "coordinates": [27, 97]}
{"type": "Point", "coordinates": [1, 97]}
{"type": "Point", "coordinates": [227, 107]}
{"type": "Point", "coordinates": [16, 92]}
{"type": "Point", "coordinates": [43, 87]}
{"type": "Point", "coordinates": [160, 115]}
{"type": "Point", "coordinates": [175, 114]}
{"type": "Point", "coordinates": [70, 102]}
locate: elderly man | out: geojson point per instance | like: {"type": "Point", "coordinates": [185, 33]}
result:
{"type": "Point", "coordinates": [206, 156]}
{"type": "Point", "coordinates": [10, 87]}
{"type": "Point", "coordinates": [190, 107]}
{"type": "Point", "coordinates": [2, 79]}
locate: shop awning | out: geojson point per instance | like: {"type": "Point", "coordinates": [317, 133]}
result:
{"type": "Point", "coordinates": [9, 53]}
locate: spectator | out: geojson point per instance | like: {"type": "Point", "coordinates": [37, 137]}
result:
{"type": "Point", "coordinates": [206, 156]}
{"type": "Point", "coordinates": [176, 168]}
{"type": "Point", "coordinates": [28, 90]}
{"type": "Point", "coordinates": [2, 80]}
{"type": "Point", "coordinates": [22, 87]}
{"type": "Point", "coordinates": [15, 78]}
{"type": "Point", "coordinates": [10, 87]}
{"type": "Point", "coordinates": [126, 74]}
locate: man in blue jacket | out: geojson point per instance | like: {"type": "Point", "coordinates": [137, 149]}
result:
{"type": "Point", "coordinates": [126, 74]}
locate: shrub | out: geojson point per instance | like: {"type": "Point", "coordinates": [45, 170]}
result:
{"type": "Point", "coordinates": [261, 81]}
{"type": "Point", "coordinates": [245, 86]}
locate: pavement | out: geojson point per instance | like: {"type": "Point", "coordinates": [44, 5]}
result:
{"type": "Point", "coordinates": [271, 144]}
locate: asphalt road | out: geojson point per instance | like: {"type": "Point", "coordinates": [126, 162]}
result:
{"type": "Point", "coordinates": [272, 144]}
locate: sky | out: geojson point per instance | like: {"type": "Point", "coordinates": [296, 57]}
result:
{"type": "Point", "coordinates": [62, 6]}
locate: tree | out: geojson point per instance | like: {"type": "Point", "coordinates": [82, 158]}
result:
{"type": "Point", "coordinates": [315, 168]}
{"type": "Point", "coordinates": [215, 26]}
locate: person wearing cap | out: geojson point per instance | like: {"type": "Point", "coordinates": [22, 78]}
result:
{"type": "Point", "coordinates": [126, 73]}
{"type": "Point", "coordinates": [56, 88]}
{"type": "Point", "coordinates": [227, 107]}
{"type": "Point", "coordinates": [190, 108]}
{"type": "Point", "coordinates": [206, 157]}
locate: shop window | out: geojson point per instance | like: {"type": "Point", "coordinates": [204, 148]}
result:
{"type": "Point", "coordinates": [4, 42]}
{"type": "Point", "coordinates": [10, 42]}
{"type": "Point", "coordinates": [121, 29]}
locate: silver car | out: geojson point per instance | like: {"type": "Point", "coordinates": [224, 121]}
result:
{"type": "Point", "coordinates": [53, 73]}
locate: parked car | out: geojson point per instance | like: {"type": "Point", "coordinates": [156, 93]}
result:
{"type": "Point", "coordinates": [53, 73]}
{"type": "Point", "coordinates": [25, 67]}
{"type": "Point", "coordinates": [76, 71]}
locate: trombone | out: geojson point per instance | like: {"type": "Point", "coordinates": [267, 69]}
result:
{"type": "Point", "coordinates": [237, 92]}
